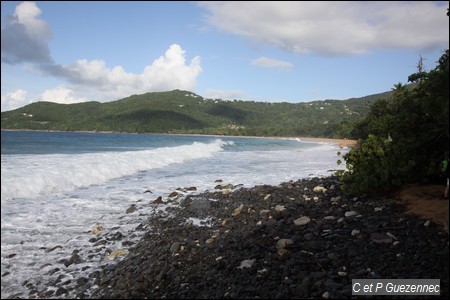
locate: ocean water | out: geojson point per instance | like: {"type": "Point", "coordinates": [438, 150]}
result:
{"type": "Point", "coordinates": [56, 187]}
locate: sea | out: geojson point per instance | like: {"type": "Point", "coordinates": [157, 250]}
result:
{"type": "Point", "coordinates": [61, 189]}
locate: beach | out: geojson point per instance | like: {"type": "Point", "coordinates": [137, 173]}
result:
{"type": "Point", "coordinates": [341, 142]}
{"type": "Point", "coordinates": [57, 187]}
{"type": "Point", "coordinates": [300, 239]}
{"type": "Point", "coordinates": [231, 218]}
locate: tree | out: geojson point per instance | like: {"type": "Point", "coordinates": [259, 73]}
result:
{"type": "Point", "coordinates": [402, 139]}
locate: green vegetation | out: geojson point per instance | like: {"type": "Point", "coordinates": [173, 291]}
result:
{"type": "Point", "coordinates": [404, 137]}
{"type": "Point", "coordinates": [403, 134]}
{"type": "Point", "coordinates": [185, 112]}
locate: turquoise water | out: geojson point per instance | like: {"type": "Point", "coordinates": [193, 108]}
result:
{"type": "Point", "coordinates": [42, 142]}
{"type": "Point", "coordinates": [56, 186]}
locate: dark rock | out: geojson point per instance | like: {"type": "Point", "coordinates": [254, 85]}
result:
{"type": "Point", "coordinates": [173, 194]}
{"type": "Point", "coordinates": [61, 291]}
{"type": "Point", "coordinates": [156, 267]}
{"type": "Point", "coordinates": [131, 209]}
{"type": "Point", "coordinates": [157, 200]}
{"type": "Point", "coordinates": [381, 238]}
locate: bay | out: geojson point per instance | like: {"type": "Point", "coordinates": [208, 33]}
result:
{"type": "Point", "coordinates": [57, 186]}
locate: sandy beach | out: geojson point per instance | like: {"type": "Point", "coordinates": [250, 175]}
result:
{"type": "Point", "coordinates": [342, 142]}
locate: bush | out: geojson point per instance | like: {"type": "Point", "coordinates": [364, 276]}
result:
{"type": "Point", "coordinates": [402, 139]}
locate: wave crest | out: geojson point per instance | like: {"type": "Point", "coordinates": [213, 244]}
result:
{"type": "Point", "coordinates": [30, 176]}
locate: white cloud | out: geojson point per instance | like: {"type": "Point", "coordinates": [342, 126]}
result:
{"type": "Point", "coordinates": [61, 95]}
{"type": "Point", "coordinates": [335, 28]}
{"type": "Point", "coordinates": [171, 71]}
{"type": "Point", "coordinates": [24, 37]}
{"type": "Point", "coordinates": [168, 72]}
{"type": "Point", "coordinates": [225, 94]}
{"type": "Point", "coordinates": [267, 62]}
{"type": "Point", "coordinates": [27, 14]}
{"type": "Point", "coordinates": [94, 81]}
{"type": "Point", "coordinates": [14, 100]}
{"type": "Point", "coordinates": [25, 40]}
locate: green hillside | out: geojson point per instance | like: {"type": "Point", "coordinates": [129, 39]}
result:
{"type": "Point", "coordinates": [185, 112]}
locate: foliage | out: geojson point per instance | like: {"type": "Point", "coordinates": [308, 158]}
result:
{"type": "Point", "coordinates": [185, 112]}
{"type": "Point", "coordinates": [403, 138]}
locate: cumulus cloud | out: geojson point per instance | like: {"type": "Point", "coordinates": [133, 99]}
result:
{"type": "Point", "coordinates": [62, 95]}
{"type": "Point", "coordinates": [267, 62]}
{"type": "Point", "coordinates": [24, 37]}
{"type": "Point", "coordinates": [94, 81]}
{"type": "Point", "coordinates": [170, 71]}
{"type": "Point", "coordinates": [335, 28]}
{"type": "Point", "coordinates": [14, 100]}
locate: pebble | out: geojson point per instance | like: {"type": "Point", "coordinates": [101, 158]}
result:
{"type": "Point", "coordinates": [355, 232]}
{"type": "Point", "coordinates": [287, 256]}
{"type": "Point", "coordinates": [302, 221]}
{"type": "Point", "coordinates": [380, 238]}
{"type": "Point", "coordinates": [350, 213]}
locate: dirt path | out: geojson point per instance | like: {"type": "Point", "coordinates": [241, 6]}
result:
{"type": "Point", "coordinates": [427, 202]}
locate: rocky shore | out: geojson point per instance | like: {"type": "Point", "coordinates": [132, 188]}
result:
{"type": "Point", "coordinates": [303, 239]}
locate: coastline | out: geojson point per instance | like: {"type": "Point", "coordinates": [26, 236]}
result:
{"type": "Point", "coordinates": [201, 242]}
{"type": "Point", "coordinates": [299, 239]}
{"type": "Point", "coordinates": [302, 239]}
{"type": "Point", "coordinates": [353, 144]}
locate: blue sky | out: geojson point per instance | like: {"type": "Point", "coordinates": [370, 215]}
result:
{"type": "Point", "coordinates": [69, 52]}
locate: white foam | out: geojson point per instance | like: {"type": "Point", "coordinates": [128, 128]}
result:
{"type": "Point", "coordinates": [30, 176]}
{"type": "Point", "coordinates": [52, 200]}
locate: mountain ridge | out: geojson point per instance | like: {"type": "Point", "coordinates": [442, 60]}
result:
{"type": "Point", "coordinates": [180, 111]}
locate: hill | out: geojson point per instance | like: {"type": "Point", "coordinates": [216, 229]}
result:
{"type": "Point", "coordinates": [180, 111]}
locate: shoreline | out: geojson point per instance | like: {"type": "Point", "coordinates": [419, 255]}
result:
{"type": "Point", "coordinates": [302, 239]}
{"type": "Point", "coordinates": [222, 254]}
{"type": "Point", "coordinates": [353, 144]}
{"type": "Point", "coordinates": [245, 244]}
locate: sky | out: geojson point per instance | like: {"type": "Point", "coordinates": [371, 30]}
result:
{"type": "Point", "coordinates": [295, 51]}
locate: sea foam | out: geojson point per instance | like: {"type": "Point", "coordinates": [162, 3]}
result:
{"type": "Point", "coordinates": [29, 176]}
